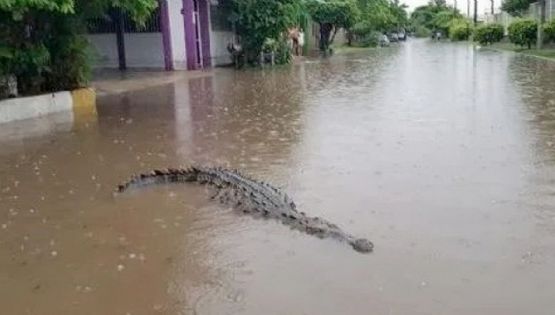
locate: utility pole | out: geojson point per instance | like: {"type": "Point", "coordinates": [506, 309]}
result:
{"type": "Point", "coordinates": [475, 12]}
{"type": "Point", "coordinates": [539, 42]}
{"type": "Point", "coordinates": [492, 7]}
{"type": "Point", "coordinates": [455, 7]}
{"type": "Point", "coordinates": [120, 39]}
{"type": "Point", "coordinates": [468, 8]}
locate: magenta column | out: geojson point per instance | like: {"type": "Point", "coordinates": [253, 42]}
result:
{"type": "Point", "coordinates": [204, 12]}
{"type": "Point", "coordinates": [189, 34]}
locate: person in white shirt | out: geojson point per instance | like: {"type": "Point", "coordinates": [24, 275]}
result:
{"type": "Point", "coordinates": [300, 43]}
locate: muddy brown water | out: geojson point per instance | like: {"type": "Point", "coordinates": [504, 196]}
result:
{"type": "Point", "coordinates": [441, 154]}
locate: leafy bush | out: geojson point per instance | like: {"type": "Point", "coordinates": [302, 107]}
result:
{"type": "Point", "coordinates": [332, 15]}
{"type": "Point", "coordinates": [422, 31]}
{"type": "Point", "coordinates": [549, 31]}
{"type": "Point", "coordinates": [382, 15]}
{"type": "Point", "coordinates": [488, 34]}
{"type": "Point", "coordinates": [70, 54]}
{"type": "Point", "coordinates": [515, 7]}
{"type": "Point", "coordinates": [258, 21]}
{"type": "Point", "coordinates": [362, 28]}
{"type": "Point", "coordinates": [6, 56]}
{"type": "Point", "coordinates": [280, 48]}
{"type": "Point", "coordinates": [364, 35]}
{"type": "Point", "coordinates": [52, 57]}
{"type": "Point", "coordinates": [371, 39]}
{"type": "Point", "coordinates": [42, 43]}
{"type": "Point", "coordinates": [459, 29]}
{"type": "Point", "coordinates": [523, 32]}
{"type": "Point", "coordinates": [283, 52]}
{"type": "Point", "coordinates": [442, 20]}
{"type": "Point", "coordinates": [30, 65]}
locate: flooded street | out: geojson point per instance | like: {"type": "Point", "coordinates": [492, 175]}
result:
{"type": "Point", "coordinates": [441, 154]}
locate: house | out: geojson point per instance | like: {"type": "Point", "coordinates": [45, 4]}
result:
{"type": "Point", "coordinates": [180, 34]}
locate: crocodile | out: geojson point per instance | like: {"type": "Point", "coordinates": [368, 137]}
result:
{"type": "Point", "coordinates": [248, 196]}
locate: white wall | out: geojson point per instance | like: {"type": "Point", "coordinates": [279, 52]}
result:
{"type": "Point", "coordinates": [105, 49]}
{"type": "Point", "coordinates": [218, 47]}
{"type": "Point", "coordinates": [142, 50]}
{"type": "Point", "coordinates": [177, 30]}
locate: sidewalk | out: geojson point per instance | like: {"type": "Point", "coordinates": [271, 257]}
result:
{"type": "Point", "coordinates": [112, 81]}
{"type": "Point", "coordinates": [547, 53]}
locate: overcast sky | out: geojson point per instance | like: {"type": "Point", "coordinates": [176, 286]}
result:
{"type": "Point", "coordinates": [483, 5]}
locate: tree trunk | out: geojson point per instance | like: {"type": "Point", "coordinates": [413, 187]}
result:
{"type": "Point", "coordinates": [468, 8]}
{"type": "Point", "coordinates": [539, 42]}
{"type": "Point", "coordinates": [333, 36]}
{"type": "Point", "coordinates": [120, 40]}
{"type": "Point", "coordinates": [475, 12]}
{"type": "Point", "coordinates": [325, 32]}
{"type": "Point", "coordinates": [492, 8]}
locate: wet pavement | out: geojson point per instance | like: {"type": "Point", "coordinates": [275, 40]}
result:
{"type": "Point", "coordinates": [442, 155]}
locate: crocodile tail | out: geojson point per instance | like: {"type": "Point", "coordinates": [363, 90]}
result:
{"type": "Point", "coordinates": [161, 176]}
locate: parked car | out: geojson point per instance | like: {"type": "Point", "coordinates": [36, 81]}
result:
{"type": "Point", "coordinates": [402, 35]}
{"type": "Point", "coordinates": [393, 37]}
{"type": "Point", "coordinates": [383, 40]}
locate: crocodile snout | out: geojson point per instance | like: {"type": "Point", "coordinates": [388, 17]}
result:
{"type": "Point", "coordinates": [362, 245]}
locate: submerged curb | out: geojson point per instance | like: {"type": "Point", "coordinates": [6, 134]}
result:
{"type": "Point", "coordinates": [81, 101]}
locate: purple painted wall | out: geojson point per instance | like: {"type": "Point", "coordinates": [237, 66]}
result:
{"type": "Point", "coordinates": [189, 34]}
{"type": "Point", "coordinates": [204, 12]}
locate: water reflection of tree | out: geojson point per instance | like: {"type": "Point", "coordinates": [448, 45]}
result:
{"type": "Point", "coordinates": [534, 80]}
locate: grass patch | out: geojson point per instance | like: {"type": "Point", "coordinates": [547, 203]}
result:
{"type": "Point", "coordinates": [548, 52]}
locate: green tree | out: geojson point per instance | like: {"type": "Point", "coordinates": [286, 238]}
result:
{"type": "Point", "coordinates": [258, 21]}
{"type": "Point", "coordinates": [20, 6]}
{"type": "Point", "coordinates": [459, 29]}
{"type": "Point", "coordinates": [519, 7]}
{"type": "Point", "coordinates": [549, 31]}
{"type": "Point", "coordinates": [443, 19]}
{"type": "Point", "coordinates": [488, 33]}
{"type": "Point", "coordinates": [523, 32]}
{"type": "Point", "coordinates": [376, 17]}
{"type": "Point", "coordinates": [42, 41]}
{"type": "Point", "coordinates": [515, 7]}
{"type": "Point", "coordinates": [435, 16]}
{"type": "Point", "coordinates": [331, 15]}
{"type": "Point", "coordinates": [378, 14]}
{"type": "Point", "coordinates": [399, 13]}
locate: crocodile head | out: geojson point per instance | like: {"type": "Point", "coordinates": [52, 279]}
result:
{"type": "Point", "coordinates": [362, 245]}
